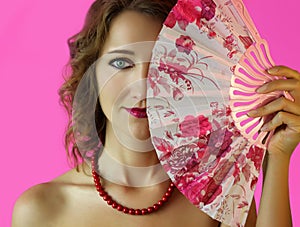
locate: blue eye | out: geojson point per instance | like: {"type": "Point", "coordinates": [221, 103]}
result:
{"type": "Point", "coordinates": [121, 63]}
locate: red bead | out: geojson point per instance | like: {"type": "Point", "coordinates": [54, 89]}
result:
{"type": "Point", "coordinates": [138, 212]}
{"type": "Point", "coordinates": [114, 205]}
{"type": "Point", "coordinates": [120, 208]}
{"type": "Point", "coordinates": [106, 197]}
{"type": "Point", "coordinates": [144, 211]}
{"type": "Point", "coordinates": [100, 189]}
{"type": "Point", "coordinates": [102, 193]}
{"type": "Point", "coordinates": [125, 210]}
{"type": "Point", "coordinates": [131, 211]}
{"type": "Point", "coordinates": [98, 185]}
{"type": "Point", "coordinates": [150, 209]}
{"type": "Point", "coordinates": [155, 206]}
{"type": "Point", "coordinates": [165, 199]}
{"type": "Point", "coordinates": [109, 202]}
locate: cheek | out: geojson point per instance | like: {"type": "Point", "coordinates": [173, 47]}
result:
{"type": "Point", "coordinates": [110, 93]}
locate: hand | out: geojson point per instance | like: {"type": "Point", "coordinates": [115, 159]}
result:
{"type": "Point", "coordinates": [287, 120]}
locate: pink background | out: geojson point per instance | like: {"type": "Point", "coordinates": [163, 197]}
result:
{"type": "Point", "coordinates": [33, 49]}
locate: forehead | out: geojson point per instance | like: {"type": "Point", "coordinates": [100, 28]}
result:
{"type": "Point", "coordinates": [131, 27]}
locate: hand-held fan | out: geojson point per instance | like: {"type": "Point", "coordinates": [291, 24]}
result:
{"type": "Point", "coordinates": [206, 66]}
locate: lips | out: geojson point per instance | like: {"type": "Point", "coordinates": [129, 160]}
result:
{"type": "Point", "coordinates": [137, 112]}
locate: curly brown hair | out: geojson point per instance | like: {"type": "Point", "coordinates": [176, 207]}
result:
{"type": "Point", "coordinates": [85, 48]}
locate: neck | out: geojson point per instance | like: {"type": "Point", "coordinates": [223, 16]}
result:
{"type": "Point", "coordinates": [118, 173]}
{"type": "Point", "coordinates": [125, 161]}
{"type": "Point", "coordinates": [128, 150]}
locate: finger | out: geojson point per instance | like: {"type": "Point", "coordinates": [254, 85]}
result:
{"type": "Point", "coordinates": [280, 104]}
{"type": "Point", "coordinates": [292, 121]}
{"type": "Point", "coordinates": [284, 71]}
{"type": "Point", "coordinates": [279, 85]}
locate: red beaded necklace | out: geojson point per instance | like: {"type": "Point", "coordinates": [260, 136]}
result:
{"type": "Point", "coordinates": [114, 204]}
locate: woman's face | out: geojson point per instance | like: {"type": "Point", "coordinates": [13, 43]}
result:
{"type": "Point", "coordinates": [122, 70]}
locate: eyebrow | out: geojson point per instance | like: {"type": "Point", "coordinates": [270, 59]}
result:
{"type": "Point", "coordinates": [121, 52]}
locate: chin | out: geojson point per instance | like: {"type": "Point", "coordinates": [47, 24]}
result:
{"type": "Point", "coordinates": [142, 135]}
{"type": "Point", "coordinates": [140, 131]}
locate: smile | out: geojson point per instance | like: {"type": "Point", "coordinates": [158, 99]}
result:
{"type": "Point", "coordinates": [137, 112]}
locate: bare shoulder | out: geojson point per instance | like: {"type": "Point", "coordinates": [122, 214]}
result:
{"type": "Point", "coordinates": [35, 204]}
{"type": "Point", "coordinates": [47, 201]}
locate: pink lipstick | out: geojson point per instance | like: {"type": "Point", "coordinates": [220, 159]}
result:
{"type": "Point", "coordinates": [137, 112]}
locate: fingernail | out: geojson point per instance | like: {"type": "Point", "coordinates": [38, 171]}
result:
{"type": "Point", "coordinates": [252, 113]}
{"type": "Point", "coordinates": [273, 70]}
{"type": "Point", "coordinates": [264, 128]}
{"type": "Point", "coordinates": [261, 89]}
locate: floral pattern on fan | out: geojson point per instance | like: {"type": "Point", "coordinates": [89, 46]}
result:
{"type": "Point", "coordinates": [188, 11]}
{"type": "Point", "coordinates": [204, 154]}
{"type": "Point", "coordinates": [205, 163]}
{"type": "Point", "coordinates": [196, 77]}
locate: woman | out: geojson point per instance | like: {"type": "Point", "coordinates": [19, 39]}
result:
{"type": "Point", "coordinates": [110, 30]}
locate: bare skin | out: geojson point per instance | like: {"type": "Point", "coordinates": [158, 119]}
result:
{"type": "Point", "coordinates": [275, 195]}
{"type": "Point", "coordinates": [71, 199]}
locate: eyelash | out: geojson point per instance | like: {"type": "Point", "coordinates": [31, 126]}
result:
{"type": "Point", "coordinates": [128, 63]}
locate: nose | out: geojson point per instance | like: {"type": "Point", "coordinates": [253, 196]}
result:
{"type": "Point", "coordinates": [143, 69]}
{"type": "Point", "coordinates": [141, 73]}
